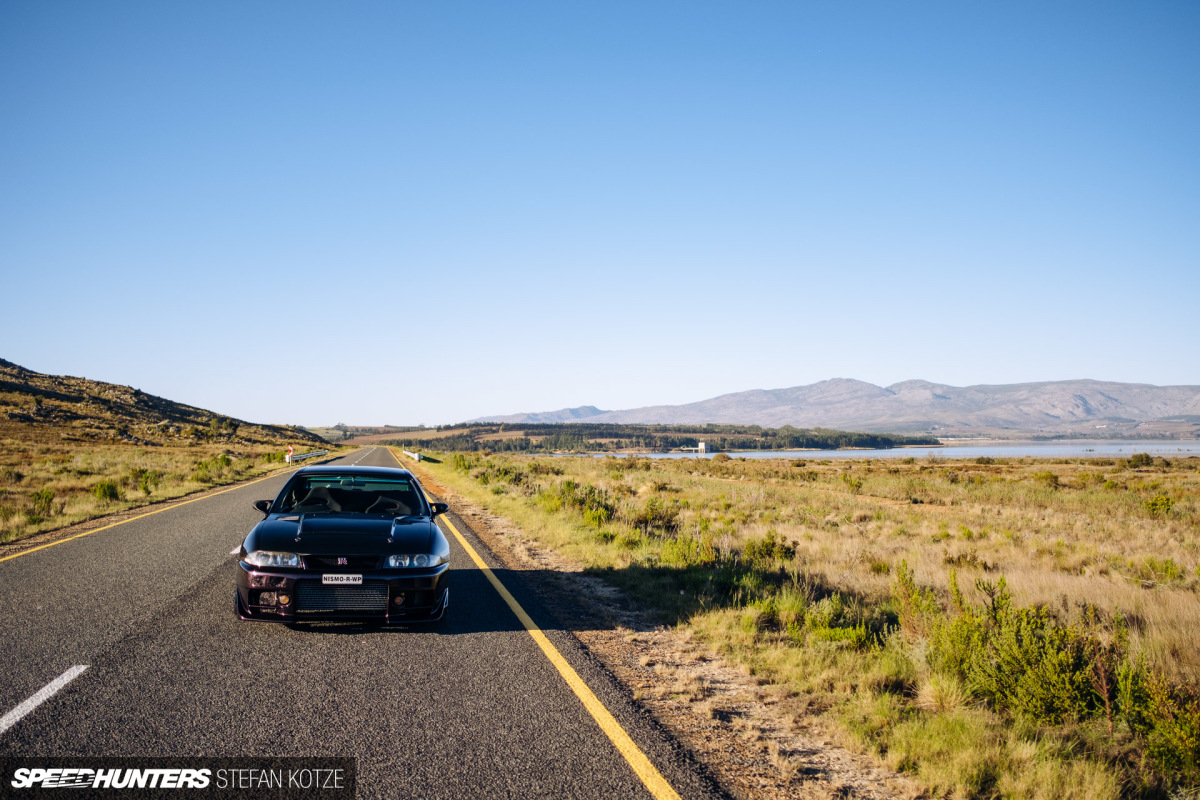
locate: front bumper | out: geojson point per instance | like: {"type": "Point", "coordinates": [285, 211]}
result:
{"type": "Point", "coordinates": [388, 596]}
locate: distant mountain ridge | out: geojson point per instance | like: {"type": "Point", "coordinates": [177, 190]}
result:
{"type": "Point", "coordinates": [576, 414]}
{"type": "Point", "coordinates": [1074, 407]}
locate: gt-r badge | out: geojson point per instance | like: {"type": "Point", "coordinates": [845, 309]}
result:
{"type": "Point", "coordinates": [342, 562]}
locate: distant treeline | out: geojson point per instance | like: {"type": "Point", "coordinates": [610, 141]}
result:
{"type": "Point", "coordinates": [582, 437]}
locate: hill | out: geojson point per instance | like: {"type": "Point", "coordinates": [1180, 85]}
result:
{"type": "Point", "coordinates": [56, 408]}
{"type": "Point", "coordinates": [1054, 408]}
{"type": "Point", "coordinates": [579, 413]}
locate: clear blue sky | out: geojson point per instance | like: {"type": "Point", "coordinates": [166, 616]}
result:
{"type": "Point", "coordinates": [416, 212]}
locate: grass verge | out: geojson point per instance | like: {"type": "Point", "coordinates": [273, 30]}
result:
{"type": "Point", "coordinates": [45, 487]}
{"type": "Point", "coordinates": [995, 629]}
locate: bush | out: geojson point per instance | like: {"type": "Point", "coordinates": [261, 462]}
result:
{"type": "Point", "coordinates": [854, 484]}
{"type": "Point", "coordinates": [107, 491]}
{"type": "Point", "coordinates": [916, 606]}
{"type": "Point", "coordinates": [656, 514]}
{"type": "Point", "coordinates": [594, 505]}
{"type": "Point", "coordinates": [1173, 738]}
{"type": "Point", "coordinates": [1028, 663]}
{"type": "Point", "coordinates": [688, 551]}
{"type": "Point", "coordinates": [770, 549]}
{"type": "Point", "coordinates": [211, 470]}
{"type": "Point", "coordinates": [1160, 505]}
{"type": "Point", "coordinates": [41, 504]}
{"type": "Point", "coordinates": [1159, 570]}
{"type": "Point", "coordinates": [144, 479]}
{"type": "Point", "coordinates": [500, 473]}
{"type": "Point", "coordinates": [1047, 479]}
{"type": "Point", "coordinates": [1140, 460]}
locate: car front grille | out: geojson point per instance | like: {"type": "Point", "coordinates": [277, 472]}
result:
{"type": "Point", "coordinates": [330, 563]}
{"type": "Point", "coordinates": [313, 597]}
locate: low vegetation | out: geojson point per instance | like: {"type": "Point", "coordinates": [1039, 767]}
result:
{"type": "Point", "coordinates": [997, 629]}
{"type": "Point", "coordinates": [72, 449]}
{"type": "Point", "coordinates": [43, 487]}
{"type": "Point", "coordinates": [58, 409]}
{"type": "Point", "coordinates": [579, 437]}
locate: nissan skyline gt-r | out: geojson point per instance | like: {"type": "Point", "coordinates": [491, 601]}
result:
{"type": "Point", "coordinates": [345, 543]}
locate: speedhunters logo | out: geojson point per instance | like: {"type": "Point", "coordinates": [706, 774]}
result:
{"type": "Point", "coordinates": [78, 778]}
{"type": "Point", "coordinates": [243, 778]}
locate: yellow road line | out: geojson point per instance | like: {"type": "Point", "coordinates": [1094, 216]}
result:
{"type": "Point", "coordinates": [653, 780]}
{"type": "Point", "coordinates": [141, 516]}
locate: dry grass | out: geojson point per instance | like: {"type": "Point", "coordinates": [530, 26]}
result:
{"type": "Point", "coordinates": [1063, 534]}
{"type": "Point", "coordinates": [45, 486]}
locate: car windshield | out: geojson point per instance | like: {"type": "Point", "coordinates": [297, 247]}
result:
{"type": "Point", "coordinates": [351, 494]}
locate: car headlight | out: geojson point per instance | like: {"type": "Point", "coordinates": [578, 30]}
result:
{"type": "Point", "coordinates": [268, 558]}
{"type": "Point", "coordinates": [419, 560]}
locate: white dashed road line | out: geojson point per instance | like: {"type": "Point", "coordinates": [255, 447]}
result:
{"type": "Point", "coordinates": [43, 694]}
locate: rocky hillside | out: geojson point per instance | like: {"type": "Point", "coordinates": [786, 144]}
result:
{"type": "Point", "coordinates": [1079, 407]}
{"type": "Point", "coordinates": [56, 408]}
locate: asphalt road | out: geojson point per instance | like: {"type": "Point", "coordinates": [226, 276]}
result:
{"type": "Point", "coordinates": [472, 708]}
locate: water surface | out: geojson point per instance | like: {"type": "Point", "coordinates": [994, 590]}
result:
{"type": "Point", "coordinates": [1075, 448]}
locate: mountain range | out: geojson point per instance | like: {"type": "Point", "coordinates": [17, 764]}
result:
{"type": "Point", "coordinates": [1102, 409]}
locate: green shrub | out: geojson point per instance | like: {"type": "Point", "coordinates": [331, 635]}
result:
{"type": "Point", "coordinates": [1159, 570]}
{"type": "Point", "coordinates": [41, 503]}
{"type": "Point", "coordinates": [853, 483]}
{"type": "Point", "coordinates": [1173, 736]}
{"type": "Point", "coordinates": [1047, 479]}
{"type": "Point", "coordinates": [688, 551]}
{"type": "Point", "coordinates": [770, 549]}
{"type": "Point", "coordinates": [594, 505]}
{"type": "Point", "coordinates": [1140, 460]}
{"type": "Point", "coordinates": [1027, 662]}
{"type": "Point", "coordinates": [144, 479]}
{"type": "Point", "coordinates": [149, 482]}
{"type": "Point", "coordinates": [107, 491]}
{"type": "Point", "coordinates": [916, 606]}
{"type": "Point", "coordinates": [501, 473]}
{"type": "Point", "coordinates": [655, 514]}
{"type": "Point", "coordinates": [1160, 505]}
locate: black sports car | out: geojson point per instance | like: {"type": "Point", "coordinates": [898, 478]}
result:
{"type": "Point", "coordinates": [345, 543]}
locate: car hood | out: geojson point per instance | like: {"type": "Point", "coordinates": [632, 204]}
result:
{"type": "Point", "coordinates": [342, 533]}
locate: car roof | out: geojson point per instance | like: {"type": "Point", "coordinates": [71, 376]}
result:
{"type": "Point", "coordinates": [331, 470]}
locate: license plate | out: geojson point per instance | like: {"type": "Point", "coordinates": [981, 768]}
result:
{"type": "Point", "coordinates": [342, 580]}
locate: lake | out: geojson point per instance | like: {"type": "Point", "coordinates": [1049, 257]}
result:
{"type": "Point", "coordinates": [1075, 448]}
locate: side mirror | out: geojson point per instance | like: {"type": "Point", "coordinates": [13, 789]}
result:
{"type": "Point", "coordinates": [440, 508]}
{"type": "Point", "coordinates": [264, 506]}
